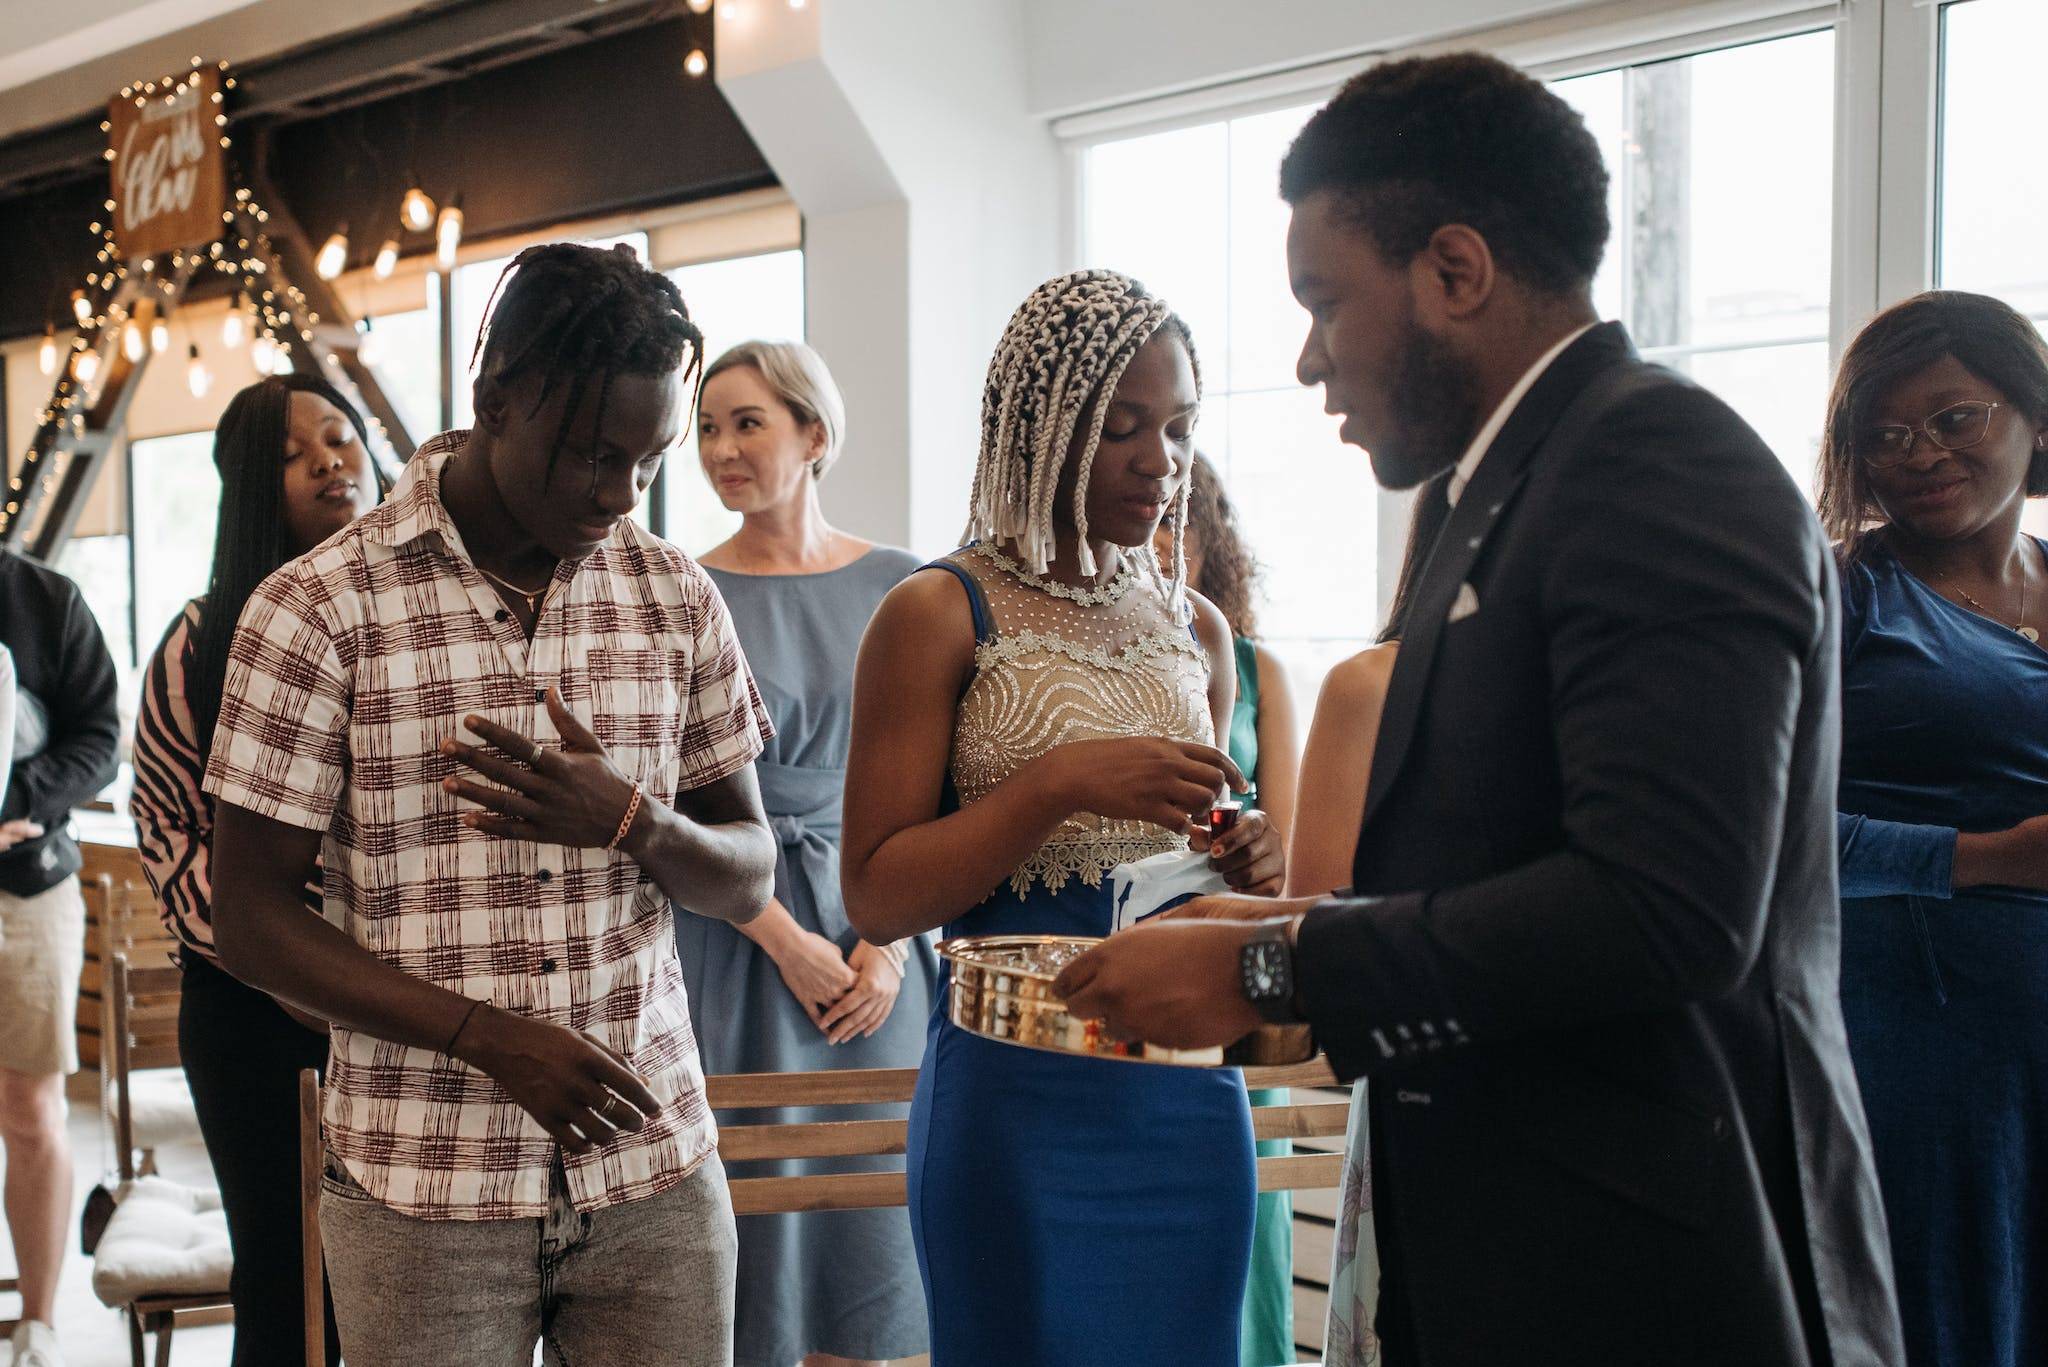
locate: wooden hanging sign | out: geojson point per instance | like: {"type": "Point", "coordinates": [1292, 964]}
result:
{"type": "Point", "coordinates": [168, 166]}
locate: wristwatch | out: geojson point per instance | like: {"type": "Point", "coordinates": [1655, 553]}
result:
{"type": "Point", "coordinates": [1265, 966]}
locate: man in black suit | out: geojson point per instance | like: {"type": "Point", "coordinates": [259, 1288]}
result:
{"type": "Point", "coordinates": [1589, 958]}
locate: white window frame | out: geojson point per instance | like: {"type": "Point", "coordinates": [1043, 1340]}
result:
{"type": "Point", "coordinates": [1887, 88]}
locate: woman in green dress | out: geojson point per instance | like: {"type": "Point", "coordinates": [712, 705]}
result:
{"type": "Point", "coordinates": [1263, 744]}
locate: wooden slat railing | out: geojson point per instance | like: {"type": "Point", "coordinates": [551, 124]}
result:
{"type": "Point", "coordinates": [740, 1143]}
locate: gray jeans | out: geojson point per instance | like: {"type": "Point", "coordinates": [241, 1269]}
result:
{"type": "Point", "coordinates": [649, 1282]}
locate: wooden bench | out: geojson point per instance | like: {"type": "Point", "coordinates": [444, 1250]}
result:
{"type": "Point", "coordinates": [849, 1139]}
{"type": "Point", "coordinates": [882, 1138]}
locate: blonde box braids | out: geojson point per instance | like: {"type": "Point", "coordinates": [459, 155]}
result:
{"type": "Point", "coordinates": [1067, 345]}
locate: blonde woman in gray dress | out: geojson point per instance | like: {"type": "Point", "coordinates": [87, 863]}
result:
{"type": "Point", "coordinates": [797, 989]}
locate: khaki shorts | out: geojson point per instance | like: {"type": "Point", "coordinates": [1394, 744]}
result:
{"type": "Point", "coordinates": [42, 952]}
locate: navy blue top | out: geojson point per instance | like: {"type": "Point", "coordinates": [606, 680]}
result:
{"type": "Point", "coordinates": [1944, 728]}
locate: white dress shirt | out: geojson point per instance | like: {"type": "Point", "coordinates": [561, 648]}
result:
{"type": "Point", "coordinates": [6, 717]}
{"type": "Point", "coordinates": [1468, 463]}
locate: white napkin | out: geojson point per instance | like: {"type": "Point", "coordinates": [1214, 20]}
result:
{"type": "Point", "coordinates": [1150, 886]}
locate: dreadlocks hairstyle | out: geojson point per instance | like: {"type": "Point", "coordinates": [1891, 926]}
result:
{"type": "Point", "coordinates": [581, 314]}
{"type": "Point", "coordinates": [1230, 572]}
{"type": "Point", "coordinates": [249, 539]}
{"type": "Point", "coordinates": [1059, 360]}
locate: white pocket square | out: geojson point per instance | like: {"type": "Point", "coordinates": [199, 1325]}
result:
{"type": "Point", "coordinates": [1464, 605]}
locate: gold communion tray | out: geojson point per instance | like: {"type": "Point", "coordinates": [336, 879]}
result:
{"type": "Point", "coordinates": [1002, 990]}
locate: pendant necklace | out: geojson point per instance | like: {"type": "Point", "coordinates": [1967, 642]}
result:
{"type": "Point", "coordinates": [532, 600]}
{"type": "Point", "coordinates": [2029, 633]}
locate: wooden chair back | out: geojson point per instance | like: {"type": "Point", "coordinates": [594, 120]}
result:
{"type": "Point", "coordinates": [138, 990]}
{"type": "Point", "coordinates": [884, 1138]}
{"type": "Point", "coordinates": [312, 1157]}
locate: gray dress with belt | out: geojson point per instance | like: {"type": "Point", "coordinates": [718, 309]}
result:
{"type": "Point", "coordinates": [839, 1282]}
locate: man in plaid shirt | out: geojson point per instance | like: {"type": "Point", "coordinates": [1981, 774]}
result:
{"type": "Point", "coordinates": [515, 728]}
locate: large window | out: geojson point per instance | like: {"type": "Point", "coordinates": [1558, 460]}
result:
{"type": "Point", "coordinates": [752, 298]}
{"type": "Point", "coordinates": [135, 581]}
{"type": "Point", "coordinates": [1720, 259]}
{"type": "Point", "coordinates": [1993, 208]}
{"type": "Point", "coordinates": [1990, 214]}
{"type": "Point", "coordinates": [1193, 214]}
{"type": "Point", "coordinates": [176, 493]}
{"type": "Point", "coordinates": [1720, 263]}
{"type": "Point", "coordinates": [404, 352]}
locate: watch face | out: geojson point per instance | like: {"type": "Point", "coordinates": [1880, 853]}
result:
{"type": "Point", "coordinates": [1262, 969]}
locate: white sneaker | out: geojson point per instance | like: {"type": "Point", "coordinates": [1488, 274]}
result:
{"type": "Point", "coordinates": [35, 1345]}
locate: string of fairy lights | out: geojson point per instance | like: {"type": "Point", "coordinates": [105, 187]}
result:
{"type": "Point", "coordinates": [267, 311]}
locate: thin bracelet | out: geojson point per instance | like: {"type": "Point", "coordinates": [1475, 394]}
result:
{"type": "Point", "coordinates": [632, 810]}
{"type": "Point", "coordinates": [462, 1025]}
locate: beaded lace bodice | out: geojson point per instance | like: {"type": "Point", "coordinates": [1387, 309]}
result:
{"type": "Point", "coordinates": [1069, 668]}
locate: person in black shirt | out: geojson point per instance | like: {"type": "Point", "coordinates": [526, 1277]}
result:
{"type": "Point", "coordinates": [66, 728]}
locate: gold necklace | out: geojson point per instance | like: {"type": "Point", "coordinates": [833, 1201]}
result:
{"type": "Point", "coordinates": [532, 600]}
{"type": "Point", "coordinates": [2027, 632]}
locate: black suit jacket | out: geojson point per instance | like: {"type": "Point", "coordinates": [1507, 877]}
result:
{"type": "Point", "coordinates": [1591, 962]}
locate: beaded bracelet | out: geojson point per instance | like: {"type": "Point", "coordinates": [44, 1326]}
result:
{"type": "Point", "coordinates": [626, 824]}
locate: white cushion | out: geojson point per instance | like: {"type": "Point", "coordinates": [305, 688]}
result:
{"type": "Point", "coordinates": [163, 1240]}
{"type": "Point", "coordinates": [160, 1108]}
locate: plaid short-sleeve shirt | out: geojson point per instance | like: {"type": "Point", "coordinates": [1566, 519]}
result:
{"type": "Point", "coordinates": [350, 667]}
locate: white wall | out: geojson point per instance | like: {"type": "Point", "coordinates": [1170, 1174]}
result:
{"type": "Point", "coordinates": [1086, 54]}
{"type": "Point", "coordinates": [931, 207]}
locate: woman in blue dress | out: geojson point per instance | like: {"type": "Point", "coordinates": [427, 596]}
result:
{"type": "Point", "coordinates": [796, 989]}
{"type": "Point", "coordinates": [1040, 707]}
{"type": "Point", "coordinates": [1937, 434]}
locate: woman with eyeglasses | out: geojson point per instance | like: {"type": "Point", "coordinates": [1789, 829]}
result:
{"type": "Point", "coordinates": [1937, 434]}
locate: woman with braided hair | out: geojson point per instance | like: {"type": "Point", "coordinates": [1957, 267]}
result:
{"type": "Point", "coordinates": [525, 732]}
{"type": "Point", "coordinates": [1012, 744]}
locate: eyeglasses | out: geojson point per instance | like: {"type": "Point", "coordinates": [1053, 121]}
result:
{"type": "Point", "coordinates": [1953, 428]}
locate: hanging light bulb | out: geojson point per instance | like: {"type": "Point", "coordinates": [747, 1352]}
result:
{"type": "Point", "coordinates": [196, 376]}
{"type": "Point", "coordinates": [416, 211]}
{"type": "Point", "coordinates": [88, 366]}
{"type": "Point", "coordinates": [333, 254]}
{"type": "Point", "coordinates": [448, 233]}
{"type": "Point", "coordinates": [81, 307]}
{"type": "Point", "coordinates": [159, 334]}
{"type": "Point", "coordinates": [696, 63]}
{"type": "Point", "coordinates": [132, 344]}
{"type": "Point", "coordinates": [46, 356]}
{"type": "Point", "coordinates": [283, 364]}
{"type": "Point", "coordinates": [263, 354]}
{"type": "Point", "coordinates": [234, 325]}
{"type": "Point", "coordinates": [387, 258]}
{"type": "Point", "coordinates": [700, 6]}
{"type": "Point", "coordinates": [368, 349]}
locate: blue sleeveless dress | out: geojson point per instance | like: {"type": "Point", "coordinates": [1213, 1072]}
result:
{"type": "Point", "coordinates": [1073, 1212]}
{"type": "Point", "coordinates": [839, 1282]}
